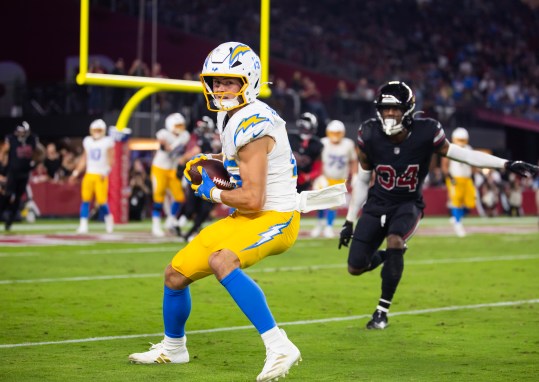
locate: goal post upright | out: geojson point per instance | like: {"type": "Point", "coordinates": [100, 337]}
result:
{"type": "Point", "coordinates": [147, 86]}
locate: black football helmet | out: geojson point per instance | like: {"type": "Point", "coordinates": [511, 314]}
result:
{"type": "Point", "coordinates": [307, 124]}
{"type": "Point", "coordinates": [395, 94]}
{"type": "Point", "coordinates": [204, 126]}
{"type": "Point", "coordinates": [22, 131]}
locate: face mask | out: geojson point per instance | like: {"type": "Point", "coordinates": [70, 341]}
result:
{"type": "Point", "coordinates": [391, 127]}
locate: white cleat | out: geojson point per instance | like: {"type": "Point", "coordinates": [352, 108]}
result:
{"type": "Point", "coordinates": [328, 232]}
{"type": "Point", "coordinates": [170, 224]}
{"type": "Point", "coordinates": [182, 221]}
{"type": "Point", "coordinates": [109, 223]}
{"type": "Point", "coordinates": [82, 229]}
{"type": "Point", "coordinates": [278, 364]}
{"type": "Point", "coordinates": [157, 232]}
{"type": "Point", "coordinates": [83, 226]}
{"type": "Point", "coordinates": [156, 227]}
{"type": "Point", "coordinates": [459, 229]}
{"type": "Point", "coordinates": [316, 231]}
{"type": "Point", "coordinates": [158, 354]}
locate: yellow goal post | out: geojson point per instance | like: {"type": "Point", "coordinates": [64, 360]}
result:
{"type": "Point", "coordinates": [149, 85]}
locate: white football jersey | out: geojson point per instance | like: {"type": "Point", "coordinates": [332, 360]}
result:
{"type": "Point", "coordinates": [96, 154]}
{"type": "Point", "coordinates": [336, 158]}
{"type": "Point", "coordinates": [167, 160]}
{"type": "Point", "coordinates": [252, 122]}
{"type": "Point", "coordinates": [459, 169]}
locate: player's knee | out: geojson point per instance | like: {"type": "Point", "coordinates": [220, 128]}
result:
{"type": "Point", "coordinates": [223, 262]}
{"type": "Point", "coordinates": [174, 279]}
{"type": "Point", "coordinates": [395, 241]}
{"type": "Point", "coordinates": [356, 271]}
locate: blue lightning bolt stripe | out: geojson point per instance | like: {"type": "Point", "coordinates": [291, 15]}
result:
{"type": "Point", "coordinates": [270, 234]}
{"type": "Point", "coordinates": [248, 122]}
{"type": "Point", "coordinates": [238, 50]}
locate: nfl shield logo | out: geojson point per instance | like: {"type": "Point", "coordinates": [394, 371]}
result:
{"type": "Point", "coordinates": [397, 150]}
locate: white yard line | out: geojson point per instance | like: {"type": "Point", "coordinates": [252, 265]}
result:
{"type": "Point", "coordinates": [307, 222]}
{"type": "Point", "coordinates": [301, 322]}
{"type": "Point", "coordinates": [277, 269]}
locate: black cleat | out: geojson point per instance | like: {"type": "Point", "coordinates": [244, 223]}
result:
{"type": "Point", "coordinates": [378, 320]}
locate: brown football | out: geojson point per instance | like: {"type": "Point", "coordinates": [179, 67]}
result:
{"type": "Point", "coordinates": [216, 171]}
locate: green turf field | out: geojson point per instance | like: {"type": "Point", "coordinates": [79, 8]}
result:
{"type": "Point", "coordinates": [466, 310]}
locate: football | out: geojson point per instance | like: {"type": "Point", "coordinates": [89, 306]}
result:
{"type": "Point", "coordinates": [216, 171]}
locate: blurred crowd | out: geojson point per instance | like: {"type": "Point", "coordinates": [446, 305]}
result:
{"type": "Point", "coordinates": [455, 53]}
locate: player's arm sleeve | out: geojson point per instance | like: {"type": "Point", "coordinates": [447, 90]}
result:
{"type": "Point", "coordinates": [360, 190]}
{"type": "Point", "coordinates": [474, 158]}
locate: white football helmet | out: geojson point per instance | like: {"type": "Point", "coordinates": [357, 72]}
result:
{"type": "Point", "coordinates": [460, 136]}
{"type": "Point", "coordinates": [175, 123]}
{"type": "Point", "coordinates": [231, 59]}
{"type": "Point", "coordinates": [98, 129]}
{"type": "Point", "coordinates": [335, 131]}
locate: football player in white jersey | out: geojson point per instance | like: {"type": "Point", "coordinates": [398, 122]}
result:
{"type": "Point", "coordinates": [458, 179]}
{"type": "Point", "coordinates": [257, 154]}
{"type": "Point", "coordinates": [96, 161]}
{"type": "Point", "coordinates": [173, 140]}
{"type": "Point", "coordinates": [339, 162]}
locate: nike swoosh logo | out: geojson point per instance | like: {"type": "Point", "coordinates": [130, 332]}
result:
{"type": "Point", "coordinates": [257, 134]}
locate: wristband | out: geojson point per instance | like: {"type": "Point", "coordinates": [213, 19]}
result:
{"type": "Point", "coordinates": [75, 173]}
{"type": "Point", "coordinates": [216, 195]}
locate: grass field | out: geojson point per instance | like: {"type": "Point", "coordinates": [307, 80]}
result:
{"type": "Point", "coordinates": [466, 310]}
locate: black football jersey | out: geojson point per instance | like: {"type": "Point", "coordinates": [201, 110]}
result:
{"type": "Point", "coordinates": [21, 154]}
{"type": "Point", "coordinates": [309, 149]}
{"type": "Point", "coordinates": [400, 169]}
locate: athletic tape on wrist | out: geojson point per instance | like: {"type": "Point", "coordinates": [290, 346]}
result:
{"type": "Point", "coordinates": [216, 195]}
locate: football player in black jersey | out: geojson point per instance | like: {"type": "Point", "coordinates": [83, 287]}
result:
{"type": "Point", "coordinates": [307, 148]}
{"type": "Point", "coordinates": [396, 149]}
{"type": "Point", "coordinates": [21, 152]}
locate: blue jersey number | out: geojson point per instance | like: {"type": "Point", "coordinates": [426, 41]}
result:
{"type": "Point", "coordinates": [95, 154]}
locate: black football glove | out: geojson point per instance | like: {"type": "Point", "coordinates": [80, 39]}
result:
{"type": "Point", "coordinates": [346, 234]}
{"type": "Point", "coordinates": [522, 168]}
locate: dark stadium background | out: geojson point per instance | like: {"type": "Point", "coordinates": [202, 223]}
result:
{"type": "Point", "coordinates": [43, 39]}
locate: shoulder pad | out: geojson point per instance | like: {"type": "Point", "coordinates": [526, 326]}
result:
{"type": "Point", "coordinates": [161, 134]}
{"type": "Point", "coordinates": [252, 125]}
{"type": "Point", "coordinates": [365, 130]}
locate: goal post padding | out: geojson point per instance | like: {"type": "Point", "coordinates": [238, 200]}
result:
{"type": "Point", "coordinates": [119, 176]}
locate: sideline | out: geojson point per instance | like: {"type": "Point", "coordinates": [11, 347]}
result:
{"type": "Point", "coordinates": [303, 322]}
{"type": "Point", "coordinates": [276, 269]}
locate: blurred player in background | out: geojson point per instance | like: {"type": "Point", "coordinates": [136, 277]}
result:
{"type": "Point", "coordinates": [173, 140]}
{"type": "Point", "coordinates": [339, 163]}
{"type": "Point", "coordinates": [96, 162]}
{"type": "Point", "coordinates": [258, 156]}
{"type": "Point", "coordinates": [20, 153]}
{"type": "Point", "coordinates": [196, 209]}
{"type": "Point", "coordinates": [307, 148]}
{"type": "Point", "coordinates": [397, 148]}
{"type": "Point", "coordinates": [458, 179]}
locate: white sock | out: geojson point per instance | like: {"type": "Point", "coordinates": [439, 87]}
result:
{"type": "Point", "coordinates": [174, 343]}
{"type": "Point", "coordinates": [275, 340]}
